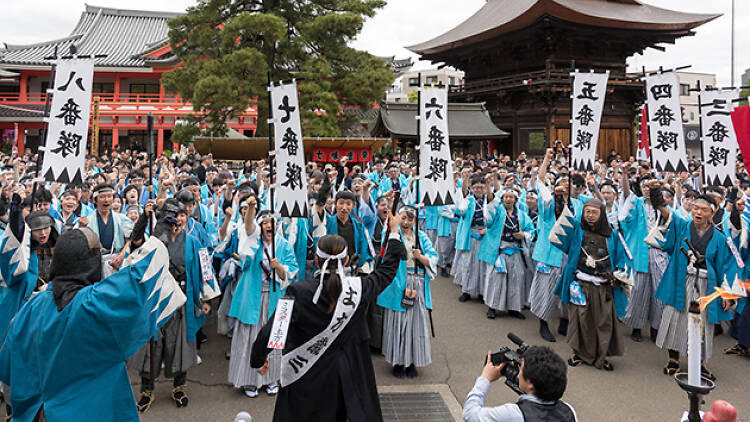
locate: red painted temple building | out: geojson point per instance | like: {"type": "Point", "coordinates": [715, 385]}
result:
{"type": "Point", "coordinates": [127, 80]}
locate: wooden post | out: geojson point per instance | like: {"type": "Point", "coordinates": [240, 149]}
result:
{"type": "Point", "coordinates": [95, 125]}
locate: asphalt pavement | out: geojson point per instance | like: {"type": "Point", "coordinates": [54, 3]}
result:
{"type": "Point", "coordinates": [636, 390]}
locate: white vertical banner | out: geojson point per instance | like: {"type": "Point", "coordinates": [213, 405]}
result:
{"type": "Point", "coordinates": [589, 92]}
{"type": "Point", "coordinates": [67, 133]}
{"type": "Point", "coordinates": [435, 163]}
{"type": "Point", "coordinates": [291, 178]}
{"type": "Point", "coordinates": [666, 135]}
{"type": "Point", "coordinates": [719, 141]}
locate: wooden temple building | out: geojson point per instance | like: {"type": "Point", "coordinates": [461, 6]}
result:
{"type": "Point", "coordinates": [518, 55]}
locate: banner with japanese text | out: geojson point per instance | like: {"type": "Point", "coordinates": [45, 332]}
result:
{"type": "Point", "coordinates": [67, 132]}
{"type": "Point", "coordinates": [666, 135]}
{"type": "Point", "coordinates": [589, 92]}
{"type": "Point", "coordinates": [291, 180]}
{"type": "Point", "coordinates": [718, 136]}
{"type": "Point", "coordinates": [436, 184]}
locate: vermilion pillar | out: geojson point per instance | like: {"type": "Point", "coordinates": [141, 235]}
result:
{"type": "Point", "coordinates": [159, 142]}
{"type": "Point", "coordinates": [24, 87]}
{"type": "Point", "coordinates": [115, 137]}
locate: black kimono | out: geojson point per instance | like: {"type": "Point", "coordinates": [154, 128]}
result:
{"type": "Point", "coordinates": [341, 384]}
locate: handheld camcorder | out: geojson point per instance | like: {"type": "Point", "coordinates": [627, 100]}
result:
{"type": "Point", "coordinates": [513, 360]}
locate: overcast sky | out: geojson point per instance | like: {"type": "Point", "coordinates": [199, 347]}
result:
{"type": "Point", "coordinates": [407, 22]}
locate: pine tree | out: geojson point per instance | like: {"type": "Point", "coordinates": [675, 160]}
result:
{"type": "Point", "coordinates": [228, 46]}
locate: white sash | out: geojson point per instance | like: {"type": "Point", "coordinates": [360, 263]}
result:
{"type": "Point", "coordinates": [296, 363]}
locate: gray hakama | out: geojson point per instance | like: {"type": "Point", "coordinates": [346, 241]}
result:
{"type": "Point", "coordinates": [172, 349]}
{"type": "Point", "coordinates": [225, 323]}
{"type": "Point", "coordinates": [594, 332]}
{"type": "Point", "coordinates": [446, 247]}
{"type": "Point", "coordinates": [504, 291]}
{"type": "Point", "coordinates": [406, 335]}
{"type": "Point", "coordinates": [544, 303]}
{"type": "Point", "coordinates": [642, 305]}
{"type": "Point", "coordinates": [468, 271]}
{"type": "Point", "coordinates": [240, 372]}
{"type": "Point", "coordinates": [432, 235]}
{"type": "Point", "coordinates": [673, 330]}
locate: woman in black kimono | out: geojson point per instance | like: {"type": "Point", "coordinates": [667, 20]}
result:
{"type": "Point", "coordinates": [340, 384]}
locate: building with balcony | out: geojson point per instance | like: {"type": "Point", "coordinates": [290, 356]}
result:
{"type": "Point", "coordinates": [518, 55]}
{"type": "Point", "coordinates": [127, 80]}
{"type": "Point", "coordinates": [408, 82]}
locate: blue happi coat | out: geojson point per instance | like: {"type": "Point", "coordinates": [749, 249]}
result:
{"type": "Point", "coordinates": [465, 212]}
{"type": "Point", "coordinates": [544, 251]}
{"type": "Point", "coordinates": [122, 228]}
{"type": "Point", "coordinates": [19, 270]}
{"type": "Point", "coordinates": [634, 224]}
{"type": "Point", "coordinates": [247, 296]}
{"type": "Point", "coordinates": [361, 239]}
{"type": "Point", "coordinates": [567, 236]}
{"type": "Point", "coordinates": [431, 218]}
{"type": "Point", "coordinates": [297, 233]}
{"type": "Point", "coordinates": [446, 216]}
{"type": "Point", "coordinates": [490, 246]}
{"type": "Point", "coordinates": [670, 236]}
{"type": "Point", "coordinates": [391, 297]}
{"type": "Point", "coordinates": [72, 362]}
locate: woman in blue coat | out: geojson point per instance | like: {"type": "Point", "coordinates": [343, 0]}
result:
{"type": "Point", "coordinates": [406, 334]}
{"type": "Point", "coordinates": [262, 283]}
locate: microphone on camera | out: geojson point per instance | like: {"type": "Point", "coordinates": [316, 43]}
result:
{"type": "Point", "coordinates": [517, 340]}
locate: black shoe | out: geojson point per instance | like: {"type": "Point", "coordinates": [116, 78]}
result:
{"type": "Point", "coordinates": [654, 334]}
{"type": "Point", "coordinates": [444, 273]}
{"type": "Point", "coordinates": [179, 396]}
{"type": "Point", "coordinates": [545, 333]}
{"type": "Point", "coordinates": [146, 400]}
{"type": "Point", "coordinates": [706, 373]}
{"type": "Point", "coordinates": [718, 330]}
{"type": "Point", "coordinates": [490, 313]}
{"type": "Point", "coordinates": [480, 298]}
{"type": "Point", "coordinates": [411, 371]}
{"type": "Point", "coordinates": [202, 338]}
{"type": "Point", "coordinates": [636, 335]}
{"type": "Point", "coordinates": [516, 314]}
{"type": "Point", "coordinates": [398, 371]}
{"type": "Point", "coordinates": [562, 329]}
{"type": "Point", "coordinates": [464, 297]}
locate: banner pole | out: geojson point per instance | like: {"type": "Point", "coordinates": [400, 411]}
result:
{"type": "Point", "coordinates": [700, 129]}
{"type": "Point", "coordinates": [45, 127]}
{"type": "Point", "coordinates": [271, 178]}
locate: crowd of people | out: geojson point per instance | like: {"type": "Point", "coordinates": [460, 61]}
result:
{"type": "Point", "coordinates": [527, 237]}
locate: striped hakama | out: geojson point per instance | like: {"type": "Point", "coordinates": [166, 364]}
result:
{"type": "Point", "coordinates": [504, 291]}
{"type": "Point", "coordinates": [544, 304]}
{"type": "Point", "coordinates": [406, 335]}
{"type": "Point", "coordinates": [528, 273]}
{"type": "Point", "coordinates": [468, 271]}
{"type": "Point", "coordinates": [240, 372]}
{"type": "Point", "coordinates": [446, 247]}
{"type": "Point", "coordinates": [639, 303]}
{"type": "Point", "coordinates": [673, 330]}
{"type": "Point", "coordinates": [657, 265]}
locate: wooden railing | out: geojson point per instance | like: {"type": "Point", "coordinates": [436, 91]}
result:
{"type": "Point", "coordinates": [40, 98]}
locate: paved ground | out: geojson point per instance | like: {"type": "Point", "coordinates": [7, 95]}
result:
{"type": "Point", "coordinates": [636, 391]}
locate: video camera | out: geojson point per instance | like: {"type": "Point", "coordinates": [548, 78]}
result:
{"type": "Point", "coordinates": [513, 360]}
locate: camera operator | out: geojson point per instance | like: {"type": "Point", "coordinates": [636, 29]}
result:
{"type": "Point", "coordinates": [542, 377]}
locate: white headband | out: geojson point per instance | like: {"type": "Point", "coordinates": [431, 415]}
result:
{"type": "Point", "coordinates": [103, 191]}
{"type": "Point", "coordinates": [323, 269]}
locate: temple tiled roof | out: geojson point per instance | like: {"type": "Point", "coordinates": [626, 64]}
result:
{"type": "Point", "coordinates": [24, 113]}
{"type": "Point", "coordinates": [502, 16]}
{"type": "Point", "coordinates": [465, 121]}
{"type": "Point", "coordinates": [121, 35]}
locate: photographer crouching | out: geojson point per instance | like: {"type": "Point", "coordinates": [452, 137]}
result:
{"type": "Point", "coordinates": [542, 378]}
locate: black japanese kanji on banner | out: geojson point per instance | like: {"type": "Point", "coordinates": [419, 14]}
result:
{"type": "Point", "coordinates": [718, 136]}
{"type": "Point", "coordinates": [436, 186]}
{"type": "Point", "coordinates": [589, 91]}
{"type": "Point", "coordinates": [67, 133]}
{"type": "Point", "coordinates": [291, 180]}
{"type": "Point", "coordinates": [667, 139]}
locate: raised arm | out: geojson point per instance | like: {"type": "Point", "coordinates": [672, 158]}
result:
{"type": "Point", "coordinates": [545, 165]}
